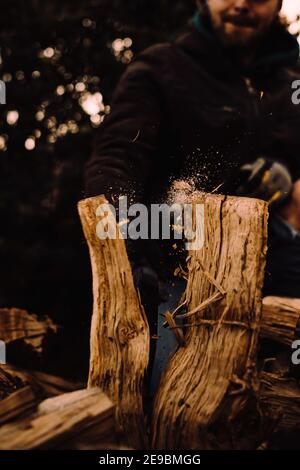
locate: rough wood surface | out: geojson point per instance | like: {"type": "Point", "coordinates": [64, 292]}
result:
{"type": "Point", "coordinates": [210, 382]}
{"type": "Point", "coordinates": [44, 385]}
{"type": "Point", "coordinates": [9, 382]}
{"type": "Point", "coordinates": [280, 319]}
{"type": "Point", "coordinates": [279, 400]}
{"type": "Point", "coordinates": [119, 331]}
{"type": "Point", "coordinates": [60, 420]}
{"type": "Point", "coordinates": [19, 325]}
{"type": "Point", "coordinates": [17, 403]}
{"type": "Point", "coordinates": [21, 390]}
{"type": "Point", "coordinates": [16, 396]}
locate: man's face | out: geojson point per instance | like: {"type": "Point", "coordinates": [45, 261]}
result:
{"type": "Point", "coordinates": [240, 23]}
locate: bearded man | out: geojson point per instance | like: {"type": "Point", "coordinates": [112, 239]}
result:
{"type": "Point", "coordinates": [213, 107]}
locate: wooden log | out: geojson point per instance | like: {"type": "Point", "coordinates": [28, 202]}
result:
{"type": "Point", "coordinates": [119, 332]}
{"type": "Point", "coordinates": [79, 445]}
{"type": "Point", "coordinates": [21, 391]}
{"type": "Point", "coordinates": [61, 420]}
{"type": "Point", "coordinates": [280, 320]}
{"type": "Point", "coordinates": [51, 384]}
{"type": "Point", "coordinates": [9, 383]}
{"type": "Point", "coordinates": [16, 396]}
{"type": "Point", "coordinates": [279, 400]}
{"type": "Point", "coordinates": [17, 404]}
{"type": "Point", "coordinates": [279, 397]}
{"type": "Point", "coordinates": [19, 325]}
{"type": "Point", "coordinates": [44, 385]}
{"type": "Point", "coordinates": [211, 381]}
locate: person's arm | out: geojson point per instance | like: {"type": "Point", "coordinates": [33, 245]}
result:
{"type": "Point", "coordinates": [124, 160]}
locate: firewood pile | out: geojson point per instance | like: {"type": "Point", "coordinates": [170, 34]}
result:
{"type": "Point", "coordinates": [42, 411]}
{"type": "Point", "coordinates": [230, 383]}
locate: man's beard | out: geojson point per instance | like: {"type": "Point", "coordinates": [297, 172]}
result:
{"type": "Point", "coordinates": [236, 39]}
{"type": "Point", "coordinates": [240, 33]}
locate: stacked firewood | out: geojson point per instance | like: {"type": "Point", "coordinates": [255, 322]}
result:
{"type": "Point", "coordinates": [214, 393]}
{"type": "Point", "coordinates": [230, 383]}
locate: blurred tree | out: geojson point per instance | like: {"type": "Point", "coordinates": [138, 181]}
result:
{"type": "Point", "coordinates": [60, 61]}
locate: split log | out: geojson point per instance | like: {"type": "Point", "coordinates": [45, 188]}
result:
{"type": "Point", "coordinates": [60, 421]}
{"type": "Point", "coordinates": [17, 404]}
{"type": "Point", "coordinates": [119, 332]}
{"type": "Point", "coordinates": [19, 325]}
{"type": "Point", "coordinates": [44, 385]}
{"type": "Point", "coordinates": [9, 383]}
{"type": "Point", "coordinates": [51, 384]}
{"type": "Point", "coordinates": [112, 446]}
{"type": "Point", "coordinates": [211, 381]}
{"type": "Point", "coordinates": [21, 391]}
{"type": "Point", "coordinates": [16, 397]}
{"type": "Point", "coordinates": [280, 320]}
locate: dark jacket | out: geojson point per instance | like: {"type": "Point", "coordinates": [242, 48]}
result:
{"type": "Point", "coordinates": [186, 110]}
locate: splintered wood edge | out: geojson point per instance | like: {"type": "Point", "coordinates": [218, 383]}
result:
{"type": "Point", "coordinates": [170, 398]}
{"type": "Point", "coordinates": [125, 389]}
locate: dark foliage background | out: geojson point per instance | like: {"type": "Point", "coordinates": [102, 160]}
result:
{"type": "Point", "coordinates": [55, 57]}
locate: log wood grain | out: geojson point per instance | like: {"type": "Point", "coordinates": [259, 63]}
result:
{"type": "Point", "coordinates": [60, 421]}
{"type": "Point", "coordinates": [119, 332]}
{"type": "Point", "coordinates": [212, 380]}
{"type": "Point", "coordinates": [280, 319]}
